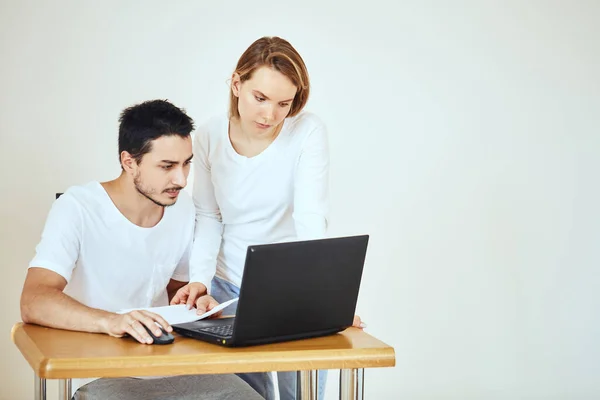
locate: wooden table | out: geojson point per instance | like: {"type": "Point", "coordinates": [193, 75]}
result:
{"type": "Point", "coordinates": [60, 354]}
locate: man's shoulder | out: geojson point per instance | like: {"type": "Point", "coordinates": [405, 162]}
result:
{"type": "Point", "coordinates": [88, 195]}
{"type": "Point", "coordinates": [184, 207]}
{"type": "Point", "coordinates": [185, 201]}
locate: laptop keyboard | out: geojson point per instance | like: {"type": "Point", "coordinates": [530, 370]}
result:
{"type": "Point", "coordinates": [221, 330]}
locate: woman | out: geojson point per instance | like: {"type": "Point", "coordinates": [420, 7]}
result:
{"type": "Point", "coordinates": [260, 176]}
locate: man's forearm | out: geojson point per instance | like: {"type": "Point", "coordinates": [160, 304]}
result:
{"type": "Point", "coordinates": [51, 307]}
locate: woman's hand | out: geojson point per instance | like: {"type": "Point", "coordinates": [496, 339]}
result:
{"type": "Point", "coordinates": [189, 294]}
{"type": "Point", "coordinates": [358, 323]}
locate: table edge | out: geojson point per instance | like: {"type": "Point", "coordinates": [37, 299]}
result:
{"type": "Point", "coordinates": [65, 368]}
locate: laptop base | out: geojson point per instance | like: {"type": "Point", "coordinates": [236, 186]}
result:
{"type": "Point", "coordinates": [195, 330]}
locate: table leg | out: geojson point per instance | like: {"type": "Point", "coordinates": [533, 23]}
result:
{"type": "Point", "coordinates": [360, 384]}
{"type": "Point", "coordinates": [39, 388]}
{"type": "Point", "coordinates": [352, 384]}
{"type": "Point", "coordinates": [64, 389]}
{"type": "Point", "coordinates": [306, 385]}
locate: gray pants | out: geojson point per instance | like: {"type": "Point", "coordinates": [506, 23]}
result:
{"type": "Point", "coordinates": [186, 387]}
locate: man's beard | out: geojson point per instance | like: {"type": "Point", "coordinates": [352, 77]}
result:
{"type": "Point", "coordinates": [148, 193]}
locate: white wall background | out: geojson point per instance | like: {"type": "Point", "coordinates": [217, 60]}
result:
{"type": "Point", "coordinates": [465, 139]}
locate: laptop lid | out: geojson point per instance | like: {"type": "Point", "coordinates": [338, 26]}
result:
{"type": "Point", "coordinates": [299, 289]}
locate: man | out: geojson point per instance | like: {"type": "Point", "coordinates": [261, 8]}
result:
{"type": "Point", "coordinates": [125, 244]}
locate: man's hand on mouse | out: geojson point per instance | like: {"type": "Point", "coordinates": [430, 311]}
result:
{"type": "Point", "coordinates": [132, 323]}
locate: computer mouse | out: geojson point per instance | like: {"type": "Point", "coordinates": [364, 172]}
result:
{"type": "Point", "coordinates": [165, 338]}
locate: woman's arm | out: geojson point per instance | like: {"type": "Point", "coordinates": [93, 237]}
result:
{"type": "Point", "coordinates": [311, 186]}
{"type": "Point", "coordinates": [208, 229]}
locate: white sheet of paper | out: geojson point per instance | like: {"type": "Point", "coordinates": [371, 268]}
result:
{"type": "Point", "coordinates": [179, 314]}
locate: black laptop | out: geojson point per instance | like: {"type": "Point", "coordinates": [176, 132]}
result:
{"type": "Point", "coordinates": [289, 291]}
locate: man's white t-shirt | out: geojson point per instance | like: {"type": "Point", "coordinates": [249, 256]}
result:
{"type": "Point", "coordinates": [108, 262]}
{"type": "Point", "coordinates": [282, 194]}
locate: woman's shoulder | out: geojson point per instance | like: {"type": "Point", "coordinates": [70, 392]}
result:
{"type": "Point", "coordinates": [307, 129]}
{"type": "Point", "coordinates": [306, 121]}
{"type": "Point", "coordinates": [212, 128]}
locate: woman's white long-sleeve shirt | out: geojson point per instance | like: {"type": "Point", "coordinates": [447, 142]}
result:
{"type": "Point", "coordinates": [281, 194]}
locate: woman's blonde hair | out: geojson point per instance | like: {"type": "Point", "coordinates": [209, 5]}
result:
{"type": "Point", "coordinates": [280, 55]}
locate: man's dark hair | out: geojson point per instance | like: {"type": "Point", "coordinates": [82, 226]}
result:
{"type": "Point", "coordinates": [139, 125]}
